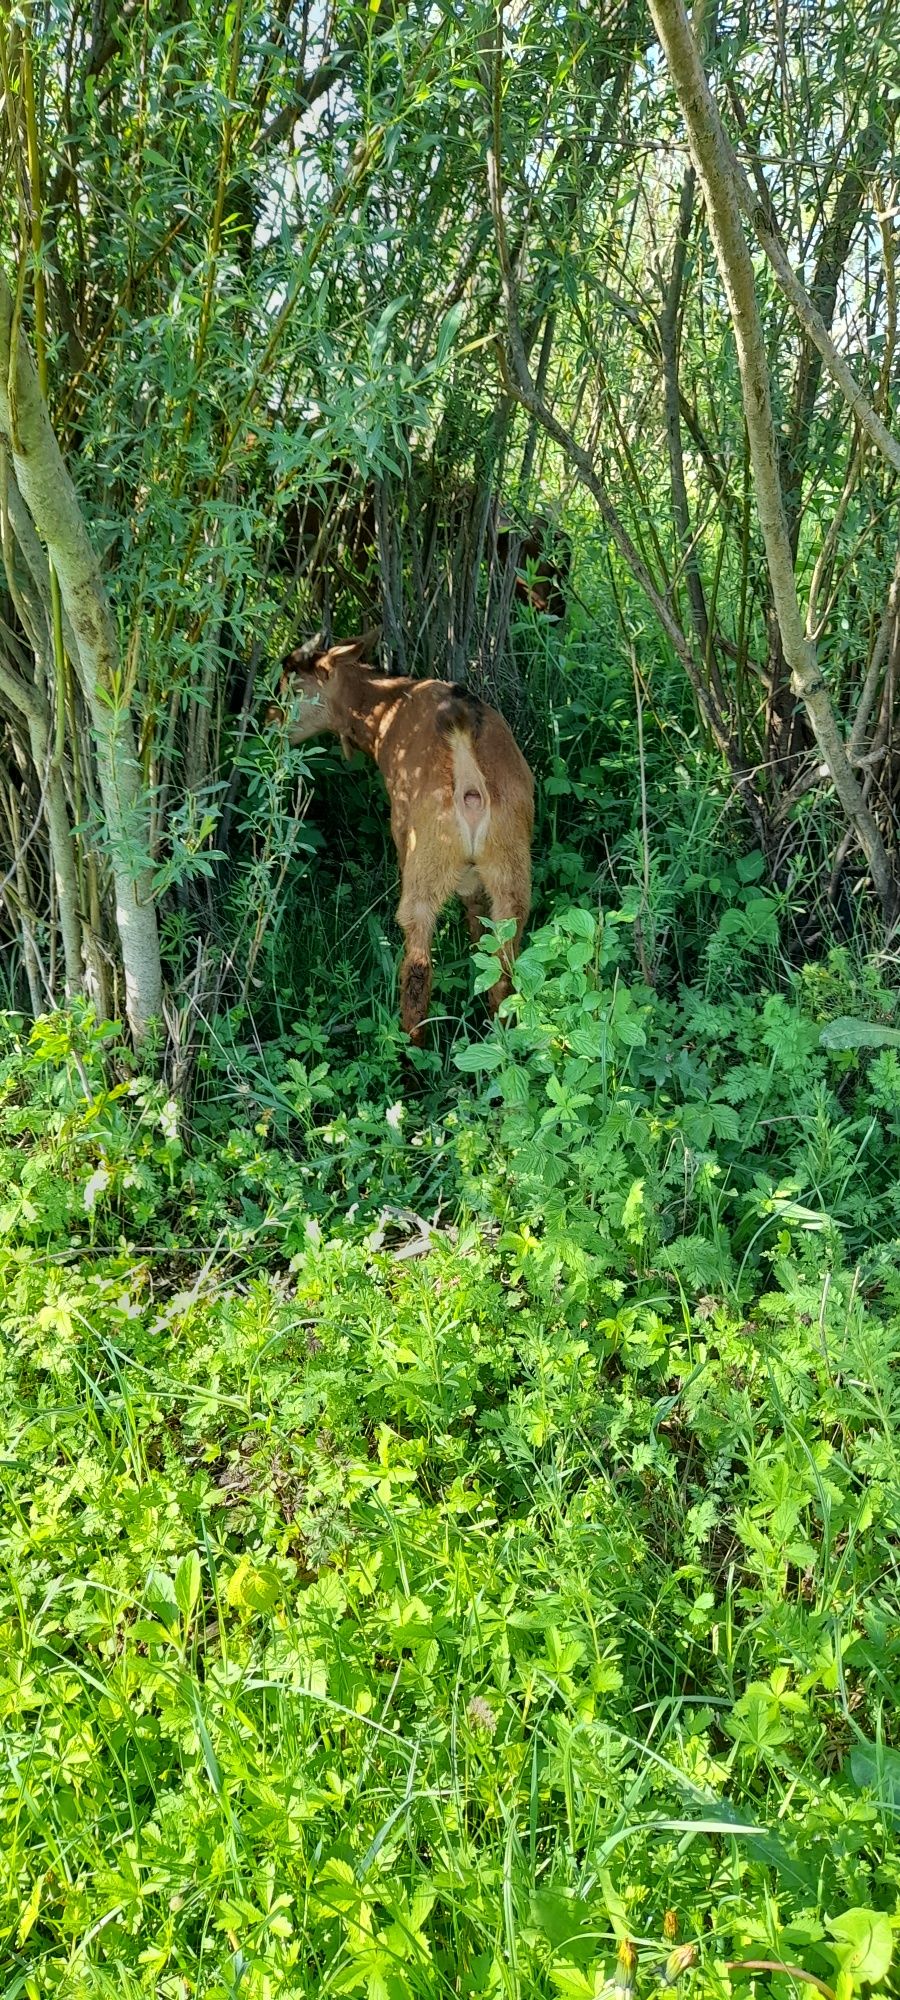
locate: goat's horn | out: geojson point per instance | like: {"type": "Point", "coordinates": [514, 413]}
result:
{"type": "Point", "coordinates": [303, 655]}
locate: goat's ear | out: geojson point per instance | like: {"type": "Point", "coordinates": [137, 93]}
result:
{"type": "Point", "coordinates": [351, 652]}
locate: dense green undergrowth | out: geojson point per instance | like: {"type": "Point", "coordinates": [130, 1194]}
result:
{"type": "Point", "coordinates": [446, 1536]}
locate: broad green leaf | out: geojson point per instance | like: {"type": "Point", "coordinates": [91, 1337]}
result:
{"type": "Point", "coordinates": [847, 1033]}
{"type": "Point", "coordinates": [630, 1032]}
{"type": "Point", "coordinates": [160, 1597]}
{"type": "Point", "coordinates": [253, 1589]}
{"type": "Point", "coordinates": [557, 1914]}
{"type": "Point", "coordinates": [864, 1943]}
{"type": "Point", "coordinates": [578, 922]}
{"type": "Point", "coordinates": [572, 1983]}
{"type": "Point", "coordinates": [514, 1085]}
{"type": "Point", "coordinates": [478, 1057]}
{"type": "Point", "coordinates": [29, 1915]}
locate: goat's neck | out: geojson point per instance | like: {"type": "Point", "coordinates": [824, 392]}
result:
{"type": "Point", "coordinates": [364, 710]}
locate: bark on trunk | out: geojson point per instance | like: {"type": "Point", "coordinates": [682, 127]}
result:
{"type": "Point", "coordinates": [50, 497]}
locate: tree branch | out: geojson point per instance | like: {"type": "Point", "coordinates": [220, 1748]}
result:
{"type": "Point", "coordinates": [518, 383]}
{"type": "Point", "coordinates": [719, 181]}
{"type": "Point", "coordinates": [807, 309]}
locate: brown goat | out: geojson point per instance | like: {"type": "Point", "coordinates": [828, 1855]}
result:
{"type": "Point", "coordinates": [461, 794]}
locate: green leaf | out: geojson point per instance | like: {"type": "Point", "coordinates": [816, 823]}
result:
{"type": "Point", "coordinates": [865, 1943]}
{"type": "Point", "coordinates": [187, 1583]}
{"type": "Point", "coordinates": [254, 1589]}
{"type": "Point", "coordinates": [630, 1032]}
{"type": "Point", "coordinates": [160, 1597]}
{"type": "Point", "coordinates": [846, 1033]}
{"type": "Point", "coordinates": [150, 1633]}
{"type": "Point", "coordinates": [382, 330]}
{"type": "Point", "coordinates": [448, 330]}
{"type": "Point", "coordinates": [29, 1914]}
{"type": "Point", "coordinates": [579, 923]}
{"type": "Point", "coordinates": [572, 1983]}
{"type": "Point", "coordinates": [876, 1768]}
{"type": "Point", "coordinates": [592, 1041]}
{"type": "Point", "coordinates": [514, 1085]}
{"type": "Point", "coordinates": [477, 1057]}
{"type": "Point", "coordinates": [557, 1914]}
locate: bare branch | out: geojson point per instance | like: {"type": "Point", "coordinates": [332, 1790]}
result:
{"type": "Point", "coordinates": [759, 215]}
{"type": "Point", "coordinates": [518, 383]}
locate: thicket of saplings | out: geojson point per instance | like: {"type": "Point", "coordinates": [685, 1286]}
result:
{"type": "Point", "coordinates": [449, 1536]}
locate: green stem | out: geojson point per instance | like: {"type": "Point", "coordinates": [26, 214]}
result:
{"type": "Point", "coordinates": [778, 1965]}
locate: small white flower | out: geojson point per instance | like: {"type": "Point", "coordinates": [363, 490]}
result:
{"type": "Point", "coordinates": [395, 1115]}
{"type": "Point", "coordinates": [168, 1119]}
{"type": "Point", "coordinates": [481, 1715]}
{"type": "Point", "coordinates": [97, 1184]}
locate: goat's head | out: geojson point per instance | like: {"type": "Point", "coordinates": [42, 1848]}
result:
{"type": "Point", "coordinates": [312, 690]}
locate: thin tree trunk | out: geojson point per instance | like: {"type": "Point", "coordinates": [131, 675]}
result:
{"type": "Point", "coordinates": [52, 502]}
{"type": "Point", "coordinates": [668, 336]}
{"type": "Point", "coordinates": [32, 705]}
{"type": "Point", "coordinates": [712, 159]}
{"type": "Point", "coordinates": [62, 854]}
{"type": "Point", "coordinates": [877, 658]}
{"type": "Point", "coordinates": [786, 731]}
{"type": "Point", "coordinates": [19, 906]}
{"type": "Point", "coordinates": [834, 250]}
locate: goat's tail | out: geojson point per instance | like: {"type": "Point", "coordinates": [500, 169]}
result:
{"type": "Point", "coordinates": [459, 708]}
{"type": "Point", "coordinates": [459, 717]}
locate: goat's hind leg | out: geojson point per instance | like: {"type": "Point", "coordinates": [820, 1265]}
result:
{"type": "Point", "coordinates": [428, 878]}
{"type": "Point", "coordinates": [476, 907]}
{"type": "Point", "coordinates": [416, 916]}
